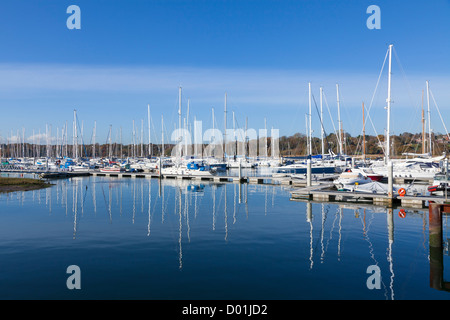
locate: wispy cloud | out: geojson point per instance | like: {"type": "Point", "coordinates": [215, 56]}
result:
{"type": "Point", "coordinates": [275, 94]}
{"type": "Point", "coordinates": [252, 85]}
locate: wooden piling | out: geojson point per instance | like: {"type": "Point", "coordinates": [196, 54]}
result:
{"type": "Point", "coordinates": [436, 246]}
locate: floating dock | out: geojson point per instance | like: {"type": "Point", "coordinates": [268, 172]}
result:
{"type": "Point", "coordinates": [326, 193]}
{"type": "Point", "coordinates": [321, 190]}
{"type": "Point", "coordinates": [215, 178]}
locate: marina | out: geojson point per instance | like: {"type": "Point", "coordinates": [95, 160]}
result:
{"type": "Point", "coordinates": [318, 187]}
{"type": "Point", "coordinates": [254, 225]}
{"type": "Point", "coordinates": [188, 231]}
{"type": "Point", "coordinates": [226, 158]}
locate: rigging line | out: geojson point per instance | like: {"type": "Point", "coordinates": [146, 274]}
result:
{"type": "Point", "coordinates": [437, 108]}
{"type": "Point", "coordinates": [329, 112]}
{"type": "Point", "coordinates": [376, 134]}
{"type": "Point", "coordinates": [378, 82]}
{"type": "Point", "coordinates": [413, 115]}
{"type": "Point", "coordinates": [321, 120]}
{"type": "Point", "coordinates": [155, 136]}
{"type": "Point", "coordinates": [239, 130]}
{"type": "Point", "coordinates": [82, 140]}
{"type": "Point", "coordinates": [371, 102]}
{"type": "Point", "coordinates": [345, 110]}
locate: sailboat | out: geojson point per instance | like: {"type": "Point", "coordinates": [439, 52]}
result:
{"type": "Point", "coordinates": [419, 167]}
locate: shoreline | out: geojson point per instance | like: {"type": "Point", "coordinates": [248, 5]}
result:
{"type": "Point", "coordinates": [8, 184]}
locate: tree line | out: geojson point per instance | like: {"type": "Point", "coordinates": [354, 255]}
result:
{"type": "Point", "coordinates": [294, 145]}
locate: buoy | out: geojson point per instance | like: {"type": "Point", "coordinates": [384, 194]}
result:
{"type": "Point", "coordinates": [402, 213]}
{"type": "Point", "coordinates": [401, 192]}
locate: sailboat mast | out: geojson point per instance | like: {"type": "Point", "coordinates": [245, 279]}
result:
{"type": "Point", "coordinates": [310, 115]}
{"type": "Point", "coordinates": [134, 141]}
{"type": "Point", "coordinates": [142, 137]}
{"type": "Point", "coordinates": [225, 127]}
{"type": "Point", "coordinates": [179, 110]}
{"type": "Point", "coordinates": [321, 123]}
{"type": "Point", "coordinates": [234, 136]}
{"type": "Point", "coordinates": [266, 153]}
{"type": "Point", "coordinates": [186, 131]}
{"type": "Point", "coordinates": [93, 139]}
{"type": "Point", "coordinates": [121, 144]}
{"type": "Point", "coordinates": [110, 143]}
{"type": "Point", "coordinates": [75, 133]}
{"type": "Point", "coordinates": [148, 118]}
{"type": "Point", "coordinates": [423, 127]}
{"type": "Point", "coordinates": [162, 138]}
{"type": "Point", "coordinates": [339, 119]}
{"type": "Point", "coordinates": [430, 149]}
{"type": "Point", "coordinates": [388, 130]}
{"type": "Point", "coordinates": [307, 133]}
{"type": "Point", "coordinates": [364, 134]}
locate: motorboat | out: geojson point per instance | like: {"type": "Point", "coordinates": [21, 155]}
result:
{"type": "Point", "coordinates": [368, 172]}
{"type": "Point", "coordinates": [112, 169]}
{"type": "Point", "coordinates": [440, 184]}
{"type": "Point", "coordinates": [349, 178]}
{"type": "Point", "coordinates": [192, 168]}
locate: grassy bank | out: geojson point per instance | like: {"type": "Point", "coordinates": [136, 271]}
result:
{"type": "Point", "coordinates": [21, 184]}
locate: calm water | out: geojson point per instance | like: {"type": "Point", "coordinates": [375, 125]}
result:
{"type": "Point", "coordinates": [139, 239]}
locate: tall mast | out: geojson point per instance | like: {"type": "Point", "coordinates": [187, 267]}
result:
{"type": "Point", "coordinates": [430, 148]}
{"type": "Point", "coordinates": [186, 128]}
{"type": "Point", "coordinates": [321, 123]}
{"type": "Point", "coordinates": [162, 138]}
{"type": "Point", "coordinates": [82, 142]}
{"type": "Point", "coordinates": [142, 137]}
{"type": "Point", "coordinates": [75, 133]}
{"type": "Point", "coordinates": [225, 127]}
{"type": "Point", "coordinates": [213, 120]}
{"type": "Point", "coordinates": [214, 132]}
{"type": "Point", "coordinates": [388, 131]}
{"type": "Point", "coordinates": [121, 144]}
{"type": "Point", "coordinates": [364, 134]}
{"type": "Point", "coordinates": [93, 139]}
{"type": "Point", "coordinates": [307, 133]}
{"type": "Point", "coordinates": [148, 118]}
{"type": "Point", "coordinates": [234, 136]}
{"type": "Point", "coordinates": [179, 109]}
{"type": "Point", "coordinates": [265, 138]}
{"type": "Point", "coordinates": [23, 142]}
{"type": "Point", "coordinates": [39, 145]}
{"type": "Point", "coordinates": [110, 143]}
{"type": "Point", "coordinates": [423, 127]}
{"type": "Point", "coordinates": [310, 114]}
{"type": "Point", "coordinates": [247, 149]}
{"type": "Point", "coordinates": [339, 119]}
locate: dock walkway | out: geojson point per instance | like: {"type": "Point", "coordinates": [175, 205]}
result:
{"type": "Point", "coordinates": [325, 193]}
{"type": "Point", "coordinates": [322, 188]}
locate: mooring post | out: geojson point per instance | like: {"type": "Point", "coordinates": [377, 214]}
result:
{"type": "Point", "coordinates": [436, 249]}
{"type": "Point", "coordinates": [435, 225]}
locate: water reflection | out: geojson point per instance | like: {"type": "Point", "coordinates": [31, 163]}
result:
{"type": "Point", "coordinates": [227, 211]}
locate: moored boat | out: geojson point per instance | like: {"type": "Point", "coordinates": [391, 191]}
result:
{"type": "Point", "coordinates": [112, 169]}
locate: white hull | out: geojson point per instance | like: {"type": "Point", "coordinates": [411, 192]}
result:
{"type": "Point", "coordinates": [185, 172]}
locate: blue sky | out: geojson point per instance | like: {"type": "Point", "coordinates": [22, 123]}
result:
{"type": "Point", "coordinates": [129, 54]}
